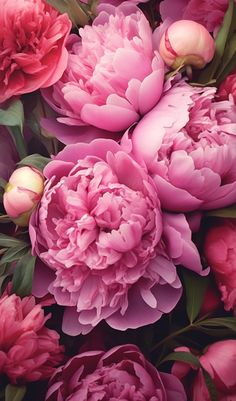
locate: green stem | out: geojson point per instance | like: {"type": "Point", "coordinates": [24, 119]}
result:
{"type": "Point", "coordinates": [19, 141]}
{"type": "Point", "coordinates": [173, 335]}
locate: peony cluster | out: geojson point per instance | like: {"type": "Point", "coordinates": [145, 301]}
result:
{"type": "Point", "coordinates": [102, 232]}
{"type": "Point", "coordinates": [111, 71]}
{"type": "Point", "coordinates": [28, 350]}
{"type": "Point", "coordinates": [32, 46]}
{"type": "Point", "coordinates": [122, 373]}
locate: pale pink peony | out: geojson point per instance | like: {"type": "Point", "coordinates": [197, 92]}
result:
{"type": "Point", "coordinates": [219, 360]}
{"type": "Point", "coordinates": [228, 87]}
{"type": "Point", "coordinates": [188, 142]}
{"type": "Point", "coordinates": [220, 252]}
{"type": "Point", "coordinates": [209, 13]}
{"type": "Point", "coordinates": [122, 373]}
{"type": "Point", "coordinates": [32, 46]}
{"type": "Point", "coordinates": [99, 227]}
{"type": "Point", "coordinates": [111, 72]}
{"type": "Point", "coordinates": [28, 350]}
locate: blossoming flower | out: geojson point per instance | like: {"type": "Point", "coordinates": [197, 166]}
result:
{"type": "Point", "coordinates": [103, 234]}
{"type": "Point", "coordinates": [121, 373]}
{"type": "Point", "coordinates": [32, 46]}
{"type": "Point", "coordinates": [111, 72]}
{"type": "Point", "coordinates": [188, 143]}
{"type": "Point", "coordinates": [28, 350]}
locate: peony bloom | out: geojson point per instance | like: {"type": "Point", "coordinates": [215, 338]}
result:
{"type": "Point", "coordinates": [32, 46]}
{"type": "Point", "coordinates": [188, 143]}
{"type": "Point", "coordinates": [220, 251]}
{"type": "Point", "coordinates": [186, 43]}
{"type": "Point", "coordinates": [122, 373]}
{"type": "Point", "coordinates": [8, 154]}
{"type": "Point", "coordinates": [111, 72]}
{"type": "Point", "coordinates": [22, 194]}
{"type": "Point", "coordinates": [102, 233]}
{"type": "Point", "coordinates": [209, 13]}
{"type": "Point", "coordinates": [227, 87]}
{"type": "Point", "coordinates": [28, 350]}
{"type": "Point", "coordinates": [219, 360]}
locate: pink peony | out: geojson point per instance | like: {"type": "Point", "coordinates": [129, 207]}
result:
{"type": "Point", "coordinates": [219, 360]}
{"type": "Point", "coordinates": [111, 72]}
{"type": "Point", "coordinates": [32, 46]}
{"type": "Point", "coordinates": [28, 350]}
{"type": "Point", "coordinates": [8, 154]}
{"type": "Point", "coordinates": [209, 13]}
{"type": "Point", "coordinates": [220, 251]}
{"type": "Point", "coordinates": [228, 87]}
{"type": "Point", "coordinates": [102, 232]}
{"type": "Point", "coordinates": [189, 145]}
{"type": "Point", "coordinates": [122, 373]}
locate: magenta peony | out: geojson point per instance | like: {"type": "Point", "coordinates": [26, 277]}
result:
{"type": "Point", "coordinates": [228, 87]}
{"type": "Point", "coordinates": [28, 350]}
{"type": "Point", "coordinates": [189, 145]}
{"type": "Point", "coordinates": [220, 252]}
{"type": "Point", "coordinates": [32, 46]}
{"type": "Point", "coordinates": [219, 360]}
{"type": "Point", "coordinates": [209, 13]}
{"type": "Point", "coordinates": [122, 373]}
{"type": "Point", "coordinates": [8, 154]}
{"type": "Point", "coordinates": [111, 72]}
{"type": "Point", "coordinates": [22, 193]}
{"type": "Point", "coordinates": [186, 43]}
{"type": "Point", "coordinates": [100, 228]}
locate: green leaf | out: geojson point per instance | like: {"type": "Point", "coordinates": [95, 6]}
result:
{"type": "Point", "coordinates": [210, 385]}
{"type": "Point", "coordinates": [183, 356]}
{"type": "Point", "coordinates": [228, 212]}
{"type": "Point", "coordinates": [229, 322]}
{"type": "Point", "coordinates": [9, 242]}
{"type": "Point", "coordinates": [75, 10]}
{"type": "Point", "coordinates": [23, 275]}
{"type": "Point", "coordinates": [35, 160]}
{"type": "Point", "coordinates": [229, 59]}
{"type": "Point", "coordinates": [3, 183]}
{"type": "Point", "coordinates": [13, 254]}
{"type": "Point", "coordinates": [14, 393]}
{"type": "Point", "coordinates": [220, 44]}
{"type": "Point", "coordinates": [195, 287]}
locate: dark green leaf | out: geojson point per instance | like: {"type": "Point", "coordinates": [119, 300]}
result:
{"type": "Point", "coordinates": [14, 393]}
{"type": "Point", "coordinates": [13, 116]}
{"type": "Point", "coordinates": [35, 160]}
{"type": "Point", "coordinates": [182, 356]}
{"type": "Point", "coordinates": [13, 254]}
{"type": "Point", "coordinates": [229, 322]}
{"type": "Point", "coordinates": [9, 242]}
{"type": "Point", "coordinates": [73, 8]}
{"type": "Point", "coordinates": [195, 287]}
{"type": "Point", "coordinates": [220, 44]}
{"type": "Point", "coordinates": [3, 183]}
{"type": "Point", "coordinates": [23, 275]}
{"type": "Point", "coordinates": [229, 59]}
{"type": "Point", "coordinates": [228, 212]}
{"type": "Point", "coordinates": [210, 385]}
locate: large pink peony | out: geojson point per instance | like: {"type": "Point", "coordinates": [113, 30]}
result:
{"type": "Point", "coordinates": [28, 350]}
{"type": "Point", "coordinates": [99, 227]}
{"type": "Point", "coordinates": [122, 373]}
{"type": "Point", "coordinates": [188, 142]}
{"type": "Point", "coordinates": [32, 46]}
{"type": "Point", "coordinates": [209, 13]}
{"type": "Point", "coordinates": [111, 72]}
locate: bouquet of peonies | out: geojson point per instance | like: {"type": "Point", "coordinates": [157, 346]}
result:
{"type": "Point", "coordinates": [118, 200]}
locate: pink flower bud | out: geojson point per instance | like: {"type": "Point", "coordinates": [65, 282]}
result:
{"type": "Point", "coordinates": [22, 193]}
{"type": "Point", "coordinates": [186, 42]}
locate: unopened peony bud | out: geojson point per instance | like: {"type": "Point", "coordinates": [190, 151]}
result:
{"type": "Point", "coordinates": [186, 42]}
{"type": "Point", "coordinates": [22, 193]}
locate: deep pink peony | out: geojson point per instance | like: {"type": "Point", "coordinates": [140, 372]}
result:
{"type": "Point", "coordinates": [32, 46]}
{"type": "Point", "coordinates": [100, 228]}
{"type": "Point", "coordinates": [220, 251]}
{"type": "Point", "coordinates": [111, 72]}
{"type": "Point", "coordinates": [28, 350]}
{"type": "Point", "coordinates": [8, 154]}
{"type": "Point", "coordinates": [219, 360]}
{"type": "Point", "coordinates": [209, 13]}
{"type": "Point", "coordinates": [122, 373]}
{"type": "Point", "coordinates": [188, 142]}
{"type": "Point", "coordinates": [228, 87]}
